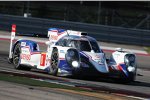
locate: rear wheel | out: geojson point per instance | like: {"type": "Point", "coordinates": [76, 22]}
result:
{"type": "Point", "coordinates": [16, 56]}
{"type": "Point", "coordinates": [54, 62]}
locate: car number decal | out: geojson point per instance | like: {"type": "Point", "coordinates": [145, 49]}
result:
{"type": "Point", "coordinates": [43, 59]}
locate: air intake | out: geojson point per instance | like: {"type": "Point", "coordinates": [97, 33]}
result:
{"type": "Point", "coordinates": [84, 33]}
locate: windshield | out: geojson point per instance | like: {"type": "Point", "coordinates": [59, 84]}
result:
{"type": "Point", "coordinates": [83, 45]}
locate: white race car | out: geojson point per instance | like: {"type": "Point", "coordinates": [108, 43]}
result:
{"type": "Point", "coordinates": [71, 53]}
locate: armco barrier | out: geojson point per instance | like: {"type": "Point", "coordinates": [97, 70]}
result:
{"type": "Point", "coordinates": [100, 32]}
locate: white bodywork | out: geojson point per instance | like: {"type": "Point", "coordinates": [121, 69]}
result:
{"type": "Point", "coordinates": [118, 57]}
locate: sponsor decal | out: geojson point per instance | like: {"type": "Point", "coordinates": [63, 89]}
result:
{"type": "Point", "coordinates": [54, 37]}
{"type": "Point", "coordinates": [25, 50]}
{"type": "Point", "coordinates": [23, 43]}
{"type": "Point", "coordinates": [62, 51]}
{"type": "Point", "coordinates": [26, 56]}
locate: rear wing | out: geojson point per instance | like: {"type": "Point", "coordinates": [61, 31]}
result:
{"type": "Point", "coordinates": [55, 34]}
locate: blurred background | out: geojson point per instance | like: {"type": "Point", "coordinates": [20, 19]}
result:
{"type": "Point", "coordinates": [128, 14]}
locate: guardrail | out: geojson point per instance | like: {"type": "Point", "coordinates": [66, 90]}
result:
{"type": "Point", "coordinates": [39, 26]}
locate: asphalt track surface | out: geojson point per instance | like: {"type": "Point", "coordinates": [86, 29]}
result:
{"type": "Point", "coordinates": [141, 85]}
{"type": "Point", "coordinates": [12, 91]}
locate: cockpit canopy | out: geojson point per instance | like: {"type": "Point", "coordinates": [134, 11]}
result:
{"type": "Point", "coordinates": [85, 43]}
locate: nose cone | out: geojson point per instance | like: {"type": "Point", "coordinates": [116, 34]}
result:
{"type": "Point", "coordinates": [99, 61]}
{"type": "Point", "coordinates": [103, 68]}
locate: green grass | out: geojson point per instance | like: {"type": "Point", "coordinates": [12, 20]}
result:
{"type": "Point", "coordinates": [148, 49]}
{"type": "Point", "coordinates": [32, 82]}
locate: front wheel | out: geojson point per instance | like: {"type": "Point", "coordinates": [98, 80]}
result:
{"type": "Point", "coordinates": [132, 77]}
{"type": "Point", "coordinates": [54, 62]}
{"type": "Point", "coordinates": [129, 79]}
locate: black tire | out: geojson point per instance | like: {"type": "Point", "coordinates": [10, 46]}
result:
{"type": "Point", "coordinates": [16, 56]}
{"type": "Point", "coordinates": [130, 79]}
{"type": "Point", "coordinates": [54, 62]}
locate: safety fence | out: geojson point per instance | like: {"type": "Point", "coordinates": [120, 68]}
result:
{"type": "Point", "coordinates": [36, 26]}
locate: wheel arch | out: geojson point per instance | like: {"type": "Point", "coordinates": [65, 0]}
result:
{"type": "Point", "coordinates": [28, 43]}
{"type": "Point", "coordinates": [15, 45]}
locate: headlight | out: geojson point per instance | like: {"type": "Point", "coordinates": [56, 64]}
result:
{"type": "Point", "coordinates": [129, 60]}
{"type": "Point", "coordinates": [75, 64]}
{"type": "Point", "coordinates": [72, 57]}
{"type": "Point", "coordinates": [131, 68]}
